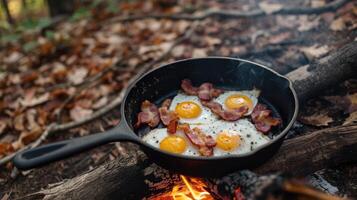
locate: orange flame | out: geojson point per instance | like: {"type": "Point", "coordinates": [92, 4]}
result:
{"type": "Point", "coordinates": [188, 189]}
{"type": "Point", "coordinates": [191, 189]}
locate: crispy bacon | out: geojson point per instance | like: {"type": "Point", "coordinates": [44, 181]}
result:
{"type": "Point", "coordinates": [187, 87]}
{"type": "Point", "coordinates": [262, 119]}
{"type": "Point", "coordinates": [229, 115]}
{"type": "Point", "coordinates": [168, 118]}
{"type": "Point", "coordinates": [197, 137]}
{"type": "Point", "coordinates": [205, 92]}
{"type": "Point", "coordinates": [149, 115]}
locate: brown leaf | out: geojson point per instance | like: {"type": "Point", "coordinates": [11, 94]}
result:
{"type": "Point", "coordinates": [198, 53]}
{"type": "Point", "coordinates": [100, 103]}
{"type": "Point", "coordinates": [30, 99]}
{"type": "Point", "coordinates": [306, 24]}
{"type": "Point", "coordinates": [211, 41]}
{"type": "Point", "coordinates": [319, 119]}
{"type": "Point", "coordinates": [279, 37]}
{"type": "Point", "coordinates": [28, 137]}
{"type": "Point", "coordinates": [315, 51]}
{"type": "Point", "coordinates": [3, 125]}
{"type": "Point", "coordinates": [338, 24]}
{"type": "Point", "coordinates": [270, 8]}
{"type": "Point", "coordinates": [77, 113]}
{"type": "Point", "coordinates": [351, 119]}
{"type": "Point", "coordinates": [31, 115]}
{"type": "Point", "coordinates": [78, 75]}
{"type": "Point", "coordinates": [19, 122]}
{"type": "Point", "coordinates": [317, 3]}
{"type": "Point", "coordinates": [5, 148]}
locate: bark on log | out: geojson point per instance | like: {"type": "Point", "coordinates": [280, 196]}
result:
{"type": "Point", "coordinates": [301, 155]}
{"type": "Point", "coordinates": [311, 79]}
{"type": "Point", "coordinates": [306, 154]}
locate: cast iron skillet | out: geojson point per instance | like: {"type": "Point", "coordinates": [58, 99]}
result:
{"type": "Point", "coordinates": [160, 83]}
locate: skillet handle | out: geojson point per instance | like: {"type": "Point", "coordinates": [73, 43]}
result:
{"type": "Point", "coordinates": [44, 154]}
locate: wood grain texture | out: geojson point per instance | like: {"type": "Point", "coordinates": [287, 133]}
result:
{"type": "Point", "coordinates": [311, 79]}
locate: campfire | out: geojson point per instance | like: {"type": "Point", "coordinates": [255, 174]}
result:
{"type": "Point", "coordinates": [187, 189]}
{"type": "Point", "coordinates": [272, 187]}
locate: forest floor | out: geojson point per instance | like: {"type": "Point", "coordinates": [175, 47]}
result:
{"type": "Point", "coordinates": [56, 78]}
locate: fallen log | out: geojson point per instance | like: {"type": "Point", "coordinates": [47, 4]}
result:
{"type": "Point", "coordinates": [311, 79]}
{"type": "Point", "coordinates": [132, 176]}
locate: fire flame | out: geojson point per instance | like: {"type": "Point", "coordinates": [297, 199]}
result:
{"type": "Point", "coordinates": [192, 189]}
{"type": "Point", "coordinates": [188, 189]}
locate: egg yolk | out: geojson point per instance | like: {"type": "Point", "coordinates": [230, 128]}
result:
{"type": "Point", "coordinates": [237, 100]}
{"type": "Point", "coordinates": [227, 142]}
{"type": "Point", "coordinates": [173, 144]}
{"type": "Point", "coordinates": [188, 109]}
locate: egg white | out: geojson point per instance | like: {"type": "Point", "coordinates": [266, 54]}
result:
{"type": "Point", "coordinates": [206, 116]}
{"type": "Point", "coordinates": [252, 94]}
{"type": "Point", "coordinates": [155, 136]}
{"type": "Point", "coordinates": [250, 137]}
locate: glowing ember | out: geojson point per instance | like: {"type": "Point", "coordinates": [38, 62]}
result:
{"type": "Point", "coordinates": [189, 189]}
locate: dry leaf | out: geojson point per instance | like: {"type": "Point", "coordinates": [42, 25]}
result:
{"type": "Point", "coordinates": [198, 53]}
{"type": "Point", "coordinates": [5, 148]}
{"type": "Point", "coordinates": [270, 8]}
{"type": "Point", "coordinates": [338, 24]}
{"type": "Point", "coordinates": [77, 77]}
{"type": "Point", "coordinates": [178, 51]}
{"type": "Point", "coordinates": [279, 37]}
{"type": "Point", "coordinates": [13, 57]}
{"type": "Point", "coordinates": [100, 103]}
{"type": "Point", "coordinates": [30, 99]}
{"type": "Point", "coordinates": [3, 126]}
{"type": "Point", "coordinates": [321, 119]}
{"type": "Point", "coordinates": [211, 41]}
{"type": "Point", "coordinates": [317, 3]}
{"type": "Point", "coordinates": [31, 120]}
{"type": "Point", "coordinates": [351, 119]}
{"type": "Point", "coordinates": [28, 137]}
{"type": "Point", "coordinates": [306, 24]}
{"type": "Point", "coordinates": [77, 113]}
{"type": "Point", "coordinates": [315, 51]}
{"type": "Point", "coordinates": [19, 122]}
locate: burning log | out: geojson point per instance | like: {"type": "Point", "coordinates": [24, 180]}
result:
{"type": "Point", "coordinates": [131, 178]}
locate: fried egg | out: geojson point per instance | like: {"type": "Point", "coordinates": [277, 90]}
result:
{"type": "Point", "coordinates": [190, 110]}
{"type": "Point", "coordinates": [233, 138]}
{"type": "Point", "coordinates": [174, 143]}
{"type": "Point", "coordinates": [236, 99]}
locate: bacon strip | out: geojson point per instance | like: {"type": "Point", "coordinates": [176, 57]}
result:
{"type": "Point", "coordinates": [187, 87]}
{"type": "Point", "coordinates": [229, 115]}
{"type": "Point", "coordinates": [197, 137]}
{"type": "Point", "coordinates": [168, 118]}
{"type": "Point", "coordinates": [262, 119]}
{"type": "Point", "coordinates": [149, 115]}
{"type": "Point", "coordinates": [205, 92]}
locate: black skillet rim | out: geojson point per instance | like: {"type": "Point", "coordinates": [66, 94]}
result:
{"type": "Point", "coordinates": [251, 153]}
